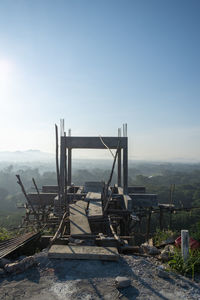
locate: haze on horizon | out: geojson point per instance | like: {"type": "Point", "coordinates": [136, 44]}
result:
{"type": "Point", "coordinates": [100, 64]}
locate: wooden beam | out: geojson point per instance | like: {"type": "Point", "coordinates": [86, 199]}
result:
{"type": "Point", "coordinates": [58, 232]}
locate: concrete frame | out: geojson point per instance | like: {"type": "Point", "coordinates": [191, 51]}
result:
{"type": "Point", "coordinates": [70, 142]}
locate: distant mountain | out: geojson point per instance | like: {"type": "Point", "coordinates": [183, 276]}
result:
{"type": "Point", "coordinates": [26, 156]}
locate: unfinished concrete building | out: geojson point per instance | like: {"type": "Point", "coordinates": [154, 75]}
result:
{"type": "Point", "coordinates": [95, 220]}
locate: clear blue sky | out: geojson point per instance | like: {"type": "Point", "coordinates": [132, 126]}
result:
{"type": "Point", "coordinates": [99, 64]}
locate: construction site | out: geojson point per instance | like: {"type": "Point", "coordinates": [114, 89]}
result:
{"type": "Point", "coordinates": [94, 221]}
{"type": "Point", "coordinates": [90, 241]}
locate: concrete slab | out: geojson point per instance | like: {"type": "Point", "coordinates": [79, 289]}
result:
{"type": "Point", "coordinates": [93, 196]}
{"type": "Point", "coordinates": [95, 209]}
{"type": "Point", "coordinates": [83, 252]}
{"type": "Point", "coordinates": [78, 219]}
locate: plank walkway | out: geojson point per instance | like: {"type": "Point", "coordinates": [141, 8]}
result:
{"type": "Point", "coordinates": [93, 196]}
{"type": "Point", "coordinates": [83, 252]}
{"type": "Point", "coordinates": [78, 219]}
{"type": "Point", "coordinates": [95, 204]}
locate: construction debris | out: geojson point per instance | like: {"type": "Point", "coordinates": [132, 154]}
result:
{"type": "Point", "coordinates": [151, 250]}
{"type": "Point", "coordinates": [20, 266]}
{"type": "Point", "coordinates": [122, 282]}
{"type": "Point", "coordinates": [167, 253]}
{"type": "Point", "coordinates": [9, 246]}
{"type": "Point", "coordinates": [161, 272]}
{"type": "Point", "coordinates": [3, 262]}
{"type": "Point", "coordinates": [2, 272]}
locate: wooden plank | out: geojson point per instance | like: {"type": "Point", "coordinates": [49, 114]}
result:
{"type": "Point", "coordinates": [95, 204]}
{"type": "Point", "coordinates": [78, 219]}
{"type": "Point", "coordinates": [83, 252]}
{"type": "Point", "coordinates": [82, 204]}
{"type": "Point", "coordinates": [93, 196]}
{"type": "Point", "coordinates": [95, 209]}
{"type": "Point", "coordinates": [45, 198]}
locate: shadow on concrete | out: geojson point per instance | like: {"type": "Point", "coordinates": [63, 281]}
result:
{"type": "Point", "coordinates": [87, 270]}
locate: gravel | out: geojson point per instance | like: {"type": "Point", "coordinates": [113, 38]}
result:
{"type": "Point", "coordinates": [86, 280]}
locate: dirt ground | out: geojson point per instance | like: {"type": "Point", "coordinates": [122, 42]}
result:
{"type": "Point", "coordinates": [78, 279]}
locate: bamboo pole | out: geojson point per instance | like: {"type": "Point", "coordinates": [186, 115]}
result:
{"type": "Point", "coordinates": [27, 198]}
{"type": "Point", "coordinates": [59, 228]}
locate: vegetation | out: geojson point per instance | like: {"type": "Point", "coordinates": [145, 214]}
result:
{"type": "Point", "coordinates": [163, 235]}
{"type": "Point", "coordinates": [157, 178]}
{"type": "Point", "coordinates": [5, 234]}
{"type": "Point", "coordinates": [189, 267]}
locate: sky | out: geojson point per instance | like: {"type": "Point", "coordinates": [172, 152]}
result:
{"type": "Point", "coordinates": [99, 64]}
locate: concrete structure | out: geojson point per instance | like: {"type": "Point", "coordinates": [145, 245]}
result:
{"type": "Point", "coordinates": [69, 142]}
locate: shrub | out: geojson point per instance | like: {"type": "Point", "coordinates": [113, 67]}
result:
{"type": "Point", "coordinates": [188, 267]}
{"type": "Point", "coordinates": [162, 235]}
{"type": "Point", "coordinates": [4, 234]}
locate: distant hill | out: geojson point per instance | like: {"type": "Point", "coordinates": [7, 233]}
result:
{"type": "Point", "coordinates": [26, 156]}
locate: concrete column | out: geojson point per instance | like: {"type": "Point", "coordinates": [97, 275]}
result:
{"type": "Point", "coordinates": [119, 169]}
{"type": "Point", "coordinates": [62, 166]}
{"type": "Point", "coordinates": [185, 244]}
{"type": "Point", "coordinates": [125, 169]}
{"type": "Point", "coordinates": [69, 182]}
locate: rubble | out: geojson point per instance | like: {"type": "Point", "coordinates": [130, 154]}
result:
{"type": "Point", "coordinates": [2, 272]}
{"type": "Point", "coordinates": [122, 282]}
{"type": "Point", "coordinates": [3, 262]}
{"type": "Point", "coordinates": [161, 272]}
{"type": "Point", "coordinates": [151, 250]}
{"type": "Point", "coordinates": [166, 253]}
{"type": "Point", "coordinates": [20, 266]}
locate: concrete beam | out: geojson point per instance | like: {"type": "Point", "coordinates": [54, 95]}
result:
{"type": "Point", "coordinates": [92, 142]}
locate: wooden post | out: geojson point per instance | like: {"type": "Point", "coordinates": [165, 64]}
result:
{"type": "Point", "coordinates": [185, 244]}
{"type": "Point", "coordinates": [119, 168]}
{"type": "Point", "coordinates": [59, 228]}
{"type": "Point", "coordinates": [27, 198]}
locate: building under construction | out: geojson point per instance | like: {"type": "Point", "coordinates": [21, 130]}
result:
{"type": "Point", "coordinates": [93, 221]}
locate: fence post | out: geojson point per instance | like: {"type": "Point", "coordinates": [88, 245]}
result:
{"type": "Point", "coordinates": [185, 244]}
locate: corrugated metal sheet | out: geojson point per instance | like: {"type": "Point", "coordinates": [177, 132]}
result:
{"type": "Point", "coordinates": [7, 247]}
